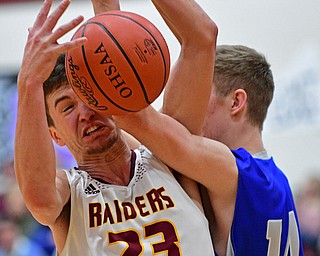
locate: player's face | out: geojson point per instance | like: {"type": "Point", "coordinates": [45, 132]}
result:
{"type": "Point", "coordinates": [81, 129]}
{"type": "Point", "coordinates": [216, 123]}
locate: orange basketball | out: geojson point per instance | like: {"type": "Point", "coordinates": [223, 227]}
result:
{"type": "Point", "coordinates": [123, 67]}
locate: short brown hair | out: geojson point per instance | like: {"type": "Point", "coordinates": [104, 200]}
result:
{"type": "Point", "coordinates": [241, 67]}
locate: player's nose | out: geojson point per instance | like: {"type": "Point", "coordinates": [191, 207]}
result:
{"type": "Point", "coordinates": [85, 113]}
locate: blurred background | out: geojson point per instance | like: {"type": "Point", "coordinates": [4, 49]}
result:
{"type": "Point", "coordinates": [286, 31]}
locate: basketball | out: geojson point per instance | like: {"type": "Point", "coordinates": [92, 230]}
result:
{"type": "Point", "coordinates": [124, 65]}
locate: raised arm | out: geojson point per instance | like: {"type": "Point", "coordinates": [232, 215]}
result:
{"type": "Point", "coordinates": [35, 162]}
{"type": "Point", "coordinates": [188, 89]}
{"type": "Point", "coordinates": [100, 6]}
{"type": "Point", "coordinates": [209, 162]}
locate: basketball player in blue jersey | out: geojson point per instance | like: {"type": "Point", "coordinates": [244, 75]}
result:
{"type": "Point", "coordinates": [264, 220]}
{"type": "Point", "coordinates": [252, 208]}
{"type": "Point", "coordinates": [117, 201]}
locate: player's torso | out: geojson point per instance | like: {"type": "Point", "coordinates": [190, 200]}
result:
{"type": "Point", "coordinates": [265, 219]}
{"type": "Point", "coordinates": [150, 216]}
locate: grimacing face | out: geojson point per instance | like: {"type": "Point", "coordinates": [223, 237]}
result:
{"type": "Point", "coordinates": [83, 130]}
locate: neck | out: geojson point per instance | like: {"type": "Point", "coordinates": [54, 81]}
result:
{"type": "Point", "coordinates": [249, 139]}
{"type": "Point", "coordinates": [111, 167]}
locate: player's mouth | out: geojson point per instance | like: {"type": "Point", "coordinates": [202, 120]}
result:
{"type": "Point", "coordinates": [91, 130]}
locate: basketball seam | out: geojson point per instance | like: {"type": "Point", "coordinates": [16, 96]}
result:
{"type": "Point", "coordinates": [92, 76]}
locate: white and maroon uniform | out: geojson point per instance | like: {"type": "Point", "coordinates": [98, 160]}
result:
{"type": "Point", "coordinates": [153, 215]}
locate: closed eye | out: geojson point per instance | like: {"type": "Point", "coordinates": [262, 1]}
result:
{"type": "Point", "coordinates": [65, 109]}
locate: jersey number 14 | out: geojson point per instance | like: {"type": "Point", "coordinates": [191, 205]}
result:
{"type": "Point", "coordinates": [274, 231]}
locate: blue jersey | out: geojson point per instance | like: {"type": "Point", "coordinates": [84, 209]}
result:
{"type": "Point", "coordinates": [265, 219]}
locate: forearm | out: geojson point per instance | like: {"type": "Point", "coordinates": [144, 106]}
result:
{"type": "Point", "coordinates": [188, 89]}
{"type": "Point", "coordinates": [167, 139]}
{"type": "Point", "coordinates": [206, 161]}
{"type": "Point", "coordinates": [100, 6]}
{"type": "Point", "coordinates": [186, 20]}
{"type": "Point", "coordinates": [34, 152]}
{"type": "Point", "coordinates": [35, 158]}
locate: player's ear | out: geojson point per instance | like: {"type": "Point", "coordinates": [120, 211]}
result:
{"type": "Point", "coordinates": [56, 137]}
{"type": "Point", "coordinates": [239, 101]}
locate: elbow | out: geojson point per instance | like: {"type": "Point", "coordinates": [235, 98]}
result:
{"type": "Point", "coordinates": [204, 36]}
{"type": "Point", "coordinates": [209, 34]}
{"type": "Point", "coordinates": [202, 42]}
{"type": "Point", "coordinates": [43, 209]}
